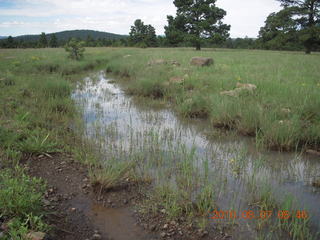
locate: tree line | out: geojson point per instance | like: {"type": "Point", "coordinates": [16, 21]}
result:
{"type": "Point", "coordinates": [199, 23]}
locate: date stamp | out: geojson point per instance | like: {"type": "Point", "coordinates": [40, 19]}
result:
{"type": "Point", "coordinates": [263, 215]}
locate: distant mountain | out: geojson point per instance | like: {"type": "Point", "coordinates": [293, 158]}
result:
{"type": "Point", "coordinates": [2, 37]}
{"type": "Point", "coordinates": [65, 35]}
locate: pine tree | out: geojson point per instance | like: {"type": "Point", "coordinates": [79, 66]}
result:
{"type": "Point", "coordinates": [43, 40]}
{"type": "Point", "coordinates": [142, 35]}
{"type": "Point", "coordinates": [203, 20]}
{"type": "Point", "coordinates": [306, 14]}
{"type": "Point", "coordinates": [53, 41]}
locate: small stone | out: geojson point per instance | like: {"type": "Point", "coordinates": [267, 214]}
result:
{"type": "Point", "coordinates": [163, 234]}
{"type": "Point", "coordinates": [180, 233]}
{"type": "Point", "coordinates": [163, 211]}
{"type": "Point", "coordinates": [165, 226]}
{"type": "Point", "coordinates": [125, 201]}
{"type": "Point", "coordinates": [153, 227]}
{"type": "Point", "coordinates": [173, 223]}
{"type": "Point", "coordinates": [46, 202]}
{"type": "Point", "coordinates": [36, 235]}
{"type": "Point", "coordinates": [96, 236]}
{"type": "Point", "coordinates": [73, 209]}
{"type": "Point", "coordinates": [109, 201]}
{"type": "Point", "coordinates": [55, 199]}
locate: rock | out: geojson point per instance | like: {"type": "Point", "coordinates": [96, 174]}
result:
{"type": "Point", "coordinates": [201, 61]}
{"type": "Point", "coordinates": [247, 86]}
{"type": "Point", "coordinates": [96, 236]}
{"type": "Point", "coordinates": [165, 226]}
{"type": "Point", "coordinates": [163, 211]}
{"type": "Point", "coordinates": [125, 201]}
{"type": "Point", "coordinates": [313, 152]}
{"type": "Point", "coordinates": [175, 63]}
{"type": "Point", "coordinates": [173, 223]}
{"type": "Point", "coordinates": [178, 80]}
{"type": "Point", "coordinates": [163, 234]}
{"type": "Point", "coordinates": [46, 202]}
{"type": "Point", "coordinates": [157, 62]}
{"type": "Point", "coordinates": [36, 235]}
{"type": "Point", "coordinates": [241, 87]}
{"type": "Point", "coordinates": [73, 209]}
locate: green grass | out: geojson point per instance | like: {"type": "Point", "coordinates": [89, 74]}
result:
{"type": "Point", "coordinates": [282, 112]}
{"type": "Point", "coordinates": [21, 203]}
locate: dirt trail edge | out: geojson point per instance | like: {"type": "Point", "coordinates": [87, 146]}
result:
{"type": "Point", "coordinates": [78, 211]}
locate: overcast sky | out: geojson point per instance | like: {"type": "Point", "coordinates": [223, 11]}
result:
{"type": "Point", "coordinates": [18, 17]}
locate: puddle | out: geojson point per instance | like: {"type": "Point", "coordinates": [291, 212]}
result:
{"type": "Point", "coordinates": [113, 223]}
{"type": "Point", "coordinates": [125, 128]}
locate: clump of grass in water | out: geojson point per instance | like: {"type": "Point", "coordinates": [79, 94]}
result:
{"type": "Point", "coordinates": [112, 173]}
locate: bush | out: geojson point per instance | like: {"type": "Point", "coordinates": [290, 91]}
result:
{"type": "Point", "coordinates": [75, 49]}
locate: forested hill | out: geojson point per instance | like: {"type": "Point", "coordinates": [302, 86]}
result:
{"type": "Point", "coordinates": [82, 34]}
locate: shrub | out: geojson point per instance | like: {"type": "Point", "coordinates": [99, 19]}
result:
{"type": "Point", "coordinates": [75, 49]}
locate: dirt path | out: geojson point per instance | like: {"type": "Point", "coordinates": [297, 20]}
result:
{"type": "Point", "coordinates": [75, 211]}
{"type": "Point", "coordinates": [78, 211]}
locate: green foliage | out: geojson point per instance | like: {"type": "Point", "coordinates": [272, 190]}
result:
{"type": "Point", "coordinates": [142, 35]}
{"type": "Point", "coordinates": [202, 20]}
{"type": "Point", "coordinates": [20, 194]}
{"type": "Point", "coordinates": [295, 25]}
{"type": "Point", "coordinates": [280, 32]}
{"type": "Point", "coordinates": [175, 31]}
{"type": "Point", "coordinates": [18, 228]}
{"type": "Point", "coordinates": [53, 41]}
{"type": "Point", "coordinates": [75, 49]}
{"type": "Point", "coordinates": [43, 42]}
{"type": "Point", "coordinates": [38, 141]}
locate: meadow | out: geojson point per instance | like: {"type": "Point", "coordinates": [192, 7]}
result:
{"type": "Point", "coordinates": [38, 114]}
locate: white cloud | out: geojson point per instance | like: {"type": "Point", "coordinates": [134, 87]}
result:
{"type": "Point", "coordinates": [246, 16]}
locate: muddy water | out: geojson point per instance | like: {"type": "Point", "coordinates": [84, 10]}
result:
{"type": "Point", "coordinates": [124, 127]}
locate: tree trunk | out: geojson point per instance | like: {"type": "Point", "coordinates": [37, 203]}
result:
{"type": "Point", "coordinates": [198, 47]}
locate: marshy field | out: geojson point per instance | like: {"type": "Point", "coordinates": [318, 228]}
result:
{"type": "Point", "coordinates": [225, 151]}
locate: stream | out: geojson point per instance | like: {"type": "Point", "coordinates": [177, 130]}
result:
{"type": "Point", "coordinates": [126, 127]}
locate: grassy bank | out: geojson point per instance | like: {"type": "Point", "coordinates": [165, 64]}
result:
{"type": "Point", "coordinates": [282, 113]}
{"type": "Point", "coordinates": [36, 118]}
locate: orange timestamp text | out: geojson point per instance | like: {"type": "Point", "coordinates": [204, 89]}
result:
{"type": "Point", "coordinates": [250, 214]}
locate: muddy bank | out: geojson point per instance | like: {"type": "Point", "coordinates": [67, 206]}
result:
{"type": "Point", "coordinates": [76, 211]}
{"type": "Point", "coordinates": [79, 211]}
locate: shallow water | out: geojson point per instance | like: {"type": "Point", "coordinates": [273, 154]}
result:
{"type": "Point", "coordinates": [125, 128]}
